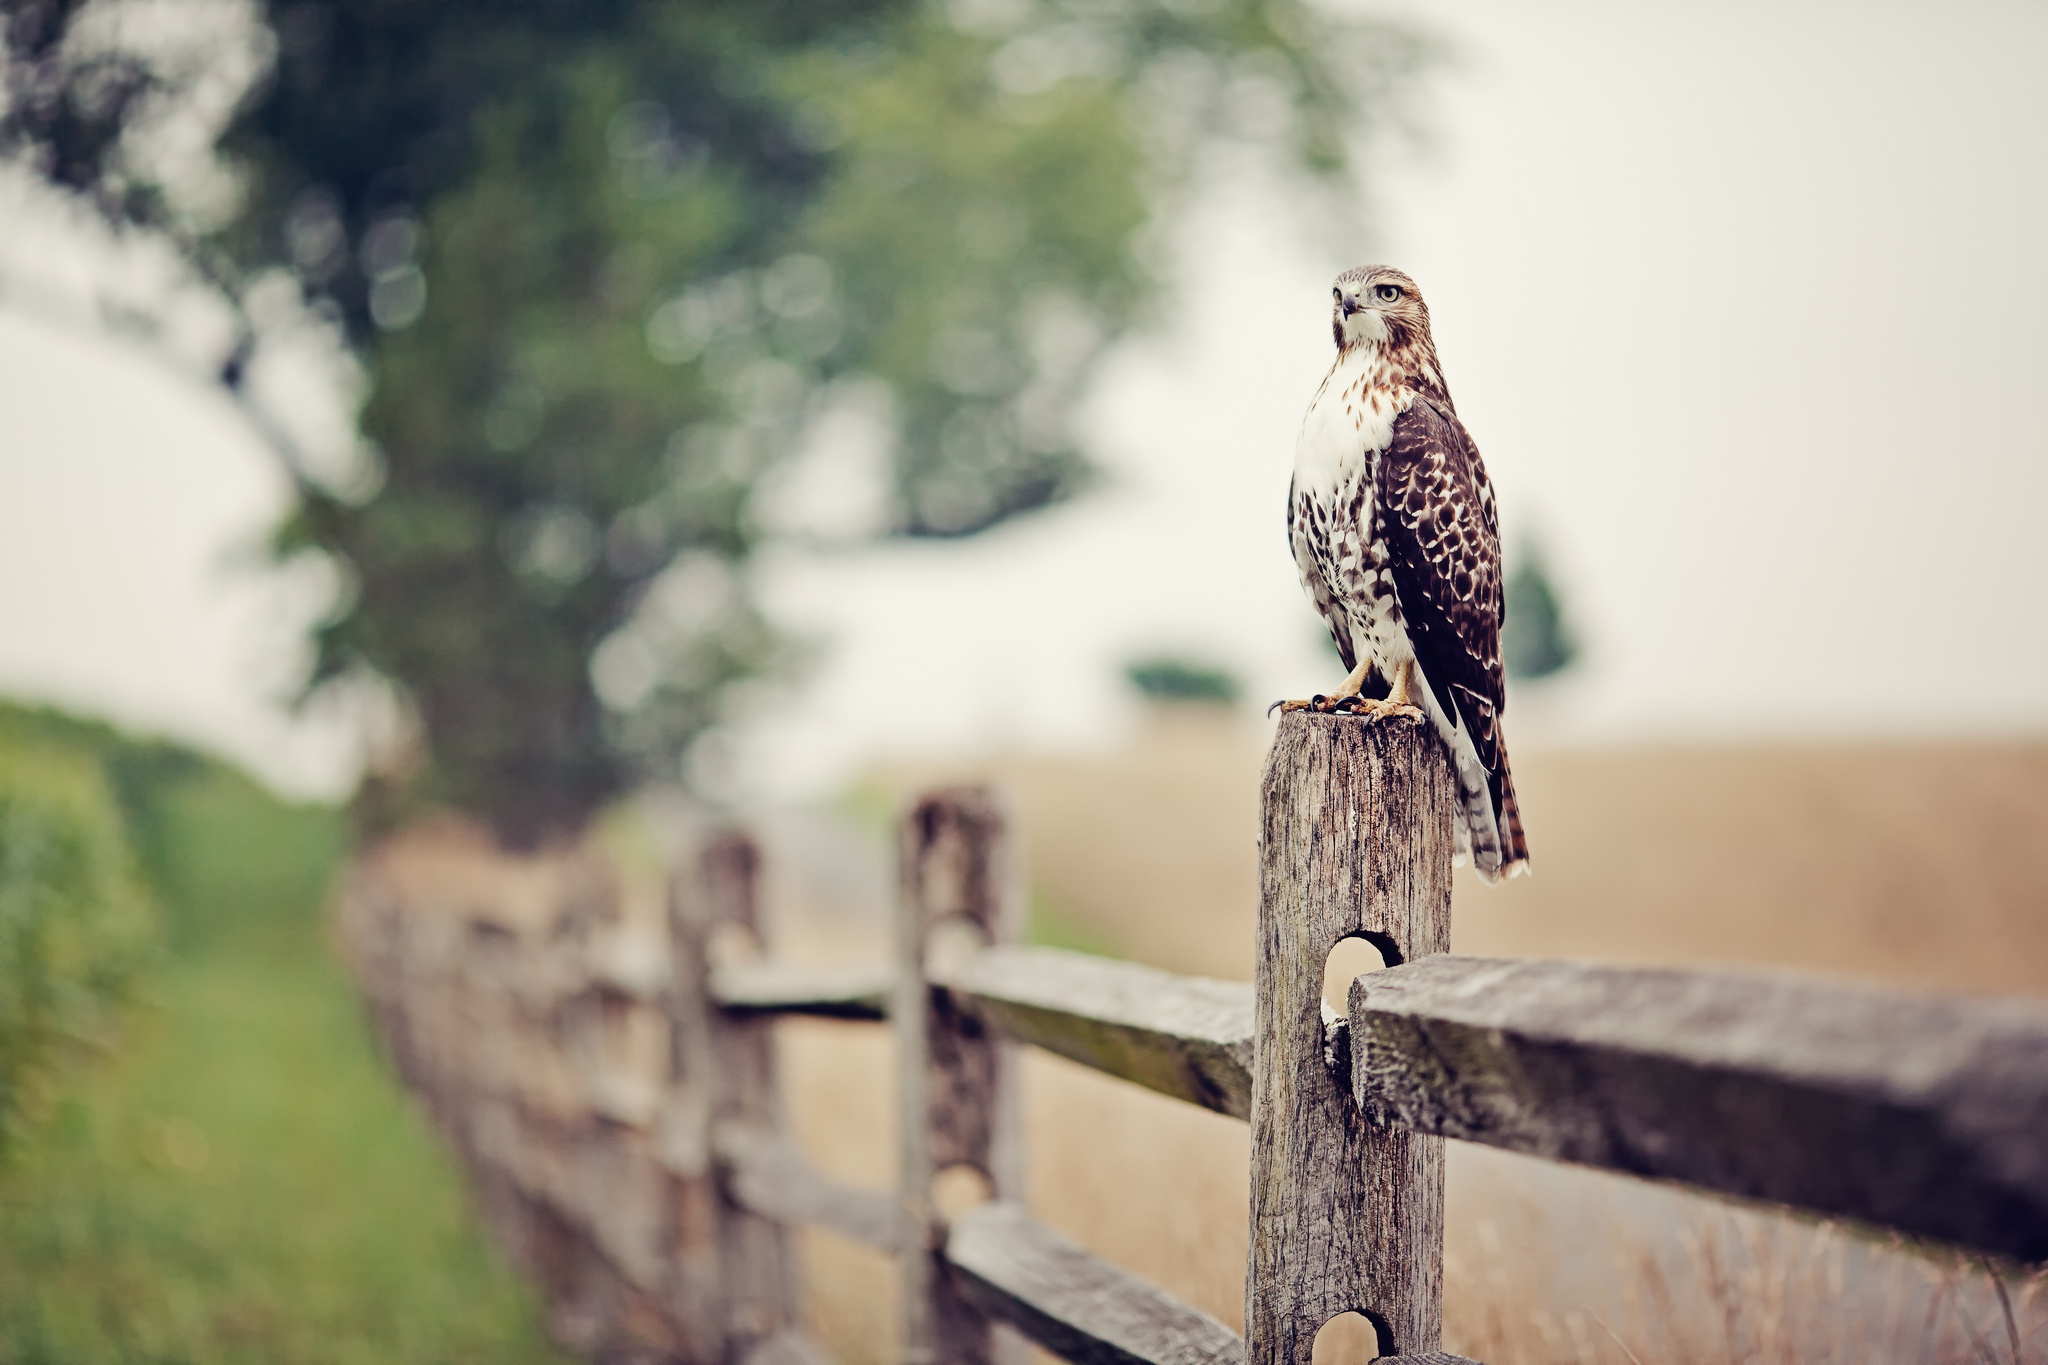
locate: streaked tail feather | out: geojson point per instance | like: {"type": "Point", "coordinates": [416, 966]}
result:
{"type": "Point", "coordinates": [1507, 817]}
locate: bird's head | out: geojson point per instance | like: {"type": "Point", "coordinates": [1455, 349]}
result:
{"type": "Point", "coordinates": [1377, 303]}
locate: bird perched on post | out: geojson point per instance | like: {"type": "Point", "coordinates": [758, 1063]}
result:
{"type": "Point", "coordinates": [1393, 526]}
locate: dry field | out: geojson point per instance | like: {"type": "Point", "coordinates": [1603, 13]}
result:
{"type": "Point", "coordinates": [1919, 866]}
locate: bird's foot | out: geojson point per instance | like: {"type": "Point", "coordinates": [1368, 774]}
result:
{"type": "Point", "coordinates": [1352, 705]}
{"type": "Point", "coordinates": [1382, 710]}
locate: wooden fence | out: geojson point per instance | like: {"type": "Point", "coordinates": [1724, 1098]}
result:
{"type": "Point", "coordinates": [661, 1230]}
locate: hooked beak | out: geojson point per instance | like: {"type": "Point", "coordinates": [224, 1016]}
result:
{"type": "Point", "coordinates": [1350, 306]}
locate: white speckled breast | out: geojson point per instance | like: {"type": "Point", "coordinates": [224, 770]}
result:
{"type": "Point", "coordinates": [1334, 521]}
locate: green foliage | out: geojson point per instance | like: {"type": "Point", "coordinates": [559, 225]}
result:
{"type": "Point", "coordinates": [75, 920]}
{"type": "Point", "coordinates": [1534, 639]}
{"type": "Point", "coordinates": [212, 846]}
{"type": "Point", "coordinates": [69, 105]}
{"type": "Point", "coordinates": [111, 848]}
{"type": "Point", "coordinates": [242, 1181]}
{"type": "Point", "coordinates": [1166, 679]}
{"type": "Point", "coordinates": [140, 772]}
{"type": "Point", "coordinates": [539, 471]}
{"type": "Point", "coordinates": [606, 263]}
{"type": "Point", "coordinates": [984, 240]}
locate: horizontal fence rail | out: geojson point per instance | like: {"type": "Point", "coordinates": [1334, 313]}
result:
{"type": "Point", "coordinates": [1922, 1115]}
{"type": "Point", "coordinates": [1077, 1306]}
{"type": "Point", "coordinates": [1185, 1036]}
{"type": "Point", "coordinates": [764, 1173]}
{"type": "Point", "coordinates": [1928, 1116]}
{"type": "Point", "coordinates": [1082, 1308]}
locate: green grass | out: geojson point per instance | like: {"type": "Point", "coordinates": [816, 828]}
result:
{"type": "Point", "coordinates": [242, 1180]}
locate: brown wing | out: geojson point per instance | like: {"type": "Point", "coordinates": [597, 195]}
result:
{"type": "Point", "coordinates": [1443, 540]}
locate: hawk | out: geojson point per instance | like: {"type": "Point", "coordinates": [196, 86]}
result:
{"type": "Point", "coordinates": [1392, 522]}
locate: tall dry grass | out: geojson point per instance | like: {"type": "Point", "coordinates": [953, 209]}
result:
{"type": "Point", "coordinates": [1664, 1276]}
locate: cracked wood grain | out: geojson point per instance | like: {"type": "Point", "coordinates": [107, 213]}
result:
{"type": "Point", "coordinates": [1346, 1217]}
{"type": "Point", "coordinates": [1920, 1114]}
{"type": "Point", "coordinates": [724, 1072]}
{"type": "Point", "coordinates": [1075, 1305]}
{"type": "Point", "coordinates": [956, 1078]}
{"type": "Point", "coordinates": [1185, 1036]}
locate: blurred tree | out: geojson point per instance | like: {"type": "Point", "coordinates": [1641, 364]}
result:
{"type": "Point", "coordinates": [1167, 679]}
{"type": "Point", "coordinates": [606, 262]}
{"type": "Point", "coordinates": [1534, 640]}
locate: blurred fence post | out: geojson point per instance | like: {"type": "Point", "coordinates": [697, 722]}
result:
{"type": "Point", "coordinates": [1355, 842]}
{"type": "Point", "coordinates": [736, 1282]}
{"type": "Point", "coordinates": [957, 1091]}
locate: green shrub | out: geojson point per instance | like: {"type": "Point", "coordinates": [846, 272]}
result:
{"type": "Point", "coordinates": [144, 774]}
{"type": "Point", "coordinates": [1535, 640]}
{"type": "Point", "coordinates": [75, 920]}
{"type": "Point", "coordinates": [1167, 679]}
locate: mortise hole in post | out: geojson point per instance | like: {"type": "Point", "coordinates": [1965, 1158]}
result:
{"type": "Point", "coordinates": [958, 1188]}
{"type": "Point", "coordinates": [1352, 957]}
{"type": "Point", "coordinates": [950, 943]}
{"type": "Point", "coordinates": [1349, 1339]}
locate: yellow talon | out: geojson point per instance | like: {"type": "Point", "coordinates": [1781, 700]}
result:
{"type": "Point", "coordinates": [1348, 701]}
{"type": "Point", "coordinates": [1381, 710]}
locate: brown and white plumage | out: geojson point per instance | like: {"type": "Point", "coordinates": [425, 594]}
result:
{"type": "Point", "coordinates": [1394, 530]}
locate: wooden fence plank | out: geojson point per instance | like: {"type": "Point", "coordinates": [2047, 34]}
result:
{"type": "Point", "coordinates": [1920, 1114]}
{"type": "Point", "coordinates": [726, 1075]}
{"type": "Point", "coordinates": [695, 1208]}
{"type": "Point", "coordinates": [856, 992]}
{"type": "Point", "coordinates": [956, 1079]}
{"type": "Point", "coordinates": [1078, 1307]}
{"type": "Point", "coordinates": [1346, 1217]}
{"type": "Point", "coordinates": [1185, 1036]}
{"type": "Point", "coordinates": [766, 1174]}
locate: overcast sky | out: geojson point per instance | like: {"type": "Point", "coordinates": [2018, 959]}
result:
{"type": "Point", "coordinates": [1742, 303]}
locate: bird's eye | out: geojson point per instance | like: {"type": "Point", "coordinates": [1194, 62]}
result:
{"type": "Point", "coordinates": [1387, 293]}
{"type": "Point", "coordinates": [1337, 294]}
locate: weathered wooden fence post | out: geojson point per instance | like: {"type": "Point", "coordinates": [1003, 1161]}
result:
{"type": "Point", "coordinates": [1355, 842]}
{"type": "Point", "coordinates": [736, 1272]}
{"type": "Point", "coordinates": [957, 1091]}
